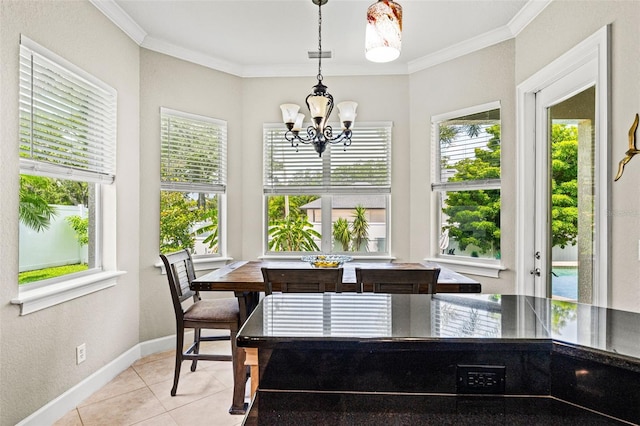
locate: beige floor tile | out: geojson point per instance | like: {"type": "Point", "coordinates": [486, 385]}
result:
{"type": "Point", "coordinates": [161, 420]}
{"type": "Point", "coordinates": [141, 394]}
{"type": "Point", "coordinates": [157, 371]}
{"type": "Point", "coordinates": [72, 418]}
{"type": "Point", "coordinates": [191, 387]}
{"type": "Point", "coordinates": [125, 409]}
{"type": "Point", "coordinates": [125, 382]}
{"type": "Point", "coordinates": [212, 410]}
{"type": "Point", "coordinates": [155, 357]}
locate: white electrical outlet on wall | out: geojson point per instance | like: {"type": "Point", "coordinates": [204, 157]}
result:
{"type": "Point", "coordinates": [81, 353]}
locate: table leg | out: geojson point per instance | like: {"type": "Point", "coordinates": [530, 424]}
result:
{"type": "Point", "coordinates": [247, 302]}
{"type": "Point", "coordinates": [238, 405]}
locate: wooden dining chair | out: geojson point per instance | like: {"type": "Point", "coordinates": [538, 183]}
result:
{"type": "Point", "coordinates": [316, 280]}
{"type": "Point", "coordinates": [403, 281]}
{"type": "Point", "coordinates": [203, 314]}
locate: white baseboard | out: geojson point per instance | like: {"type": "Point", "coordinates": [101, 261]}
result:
{"type": "Point", "coordinates": [69, 400]}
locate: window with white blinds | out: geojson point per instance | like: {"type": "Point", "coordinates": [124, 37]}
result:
{"type": "Point", "coordinates": [466, 185]}
{"type": "Point", "coordinates": [67, 119]}
{"type": "Point", "coordinates": [193, 152]}
{"type": "Point", "coordinates": [364, 166]}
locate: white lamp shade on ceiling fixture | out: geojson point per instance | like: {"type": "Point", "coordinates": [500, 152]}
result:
{"type": "Point", "coordinates": [289, 112]}
{"type": "Point", "coordinates": [318, 106]}
{"type": "Point", "coordinates": [297, 126]}
{"type": "Point", "coordinates": [383, 36]}
{"type": "Point", "coordinates": [347, 113]}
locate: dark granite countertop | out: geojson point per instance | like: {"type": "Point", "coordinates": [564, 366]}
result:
{"type": "Point", "coordinates": [313, 408]}
{"type": "Point", "coordinates": [368, 317]}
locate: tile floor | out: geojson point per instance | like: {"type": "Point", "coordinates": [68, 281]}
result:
{"type": "Point", "coordinates": [141, 395]}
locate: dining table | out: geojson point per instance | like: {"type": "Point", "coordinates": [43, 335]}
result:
{"type": "Point", "coordinates": [244, 278]}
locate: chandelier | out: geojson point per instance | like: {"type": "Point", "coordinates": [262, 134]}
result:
{"type": "Point", "coordinates": [320, 104]}
{"type": "Point", "coordinates": [384, 31]}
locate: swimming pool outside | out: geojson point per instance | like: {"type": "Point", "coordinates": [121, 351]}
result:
{"type": "Point", "coordinates": [565, 283]}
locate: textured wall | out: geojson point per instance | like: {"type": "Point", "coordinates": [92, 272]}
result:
{"type": "Point", "coordinates": [38, 350]}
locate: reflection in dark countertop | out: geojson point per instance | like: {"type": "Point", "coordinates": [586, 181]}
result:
{"type": "Point", "coordinates": [307, 408]}
{"type": "Point", "coordinates": [472, 317]}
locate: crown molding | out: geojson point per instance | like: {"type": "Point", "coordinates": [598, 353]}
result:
{"type": "Point", "coordinates": [179, 52]}
{"type": "Point", "coordinates": [118, 16]}
{"type": "Point", "coordinates": [460, 49]}
{"type": "Point", "coordinates": [527, 14]}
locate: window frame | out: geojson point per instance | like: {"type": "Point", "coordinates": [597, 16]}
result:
{"type": "Point", "coordinates": [217, 186]}
{"type": "Point", "coordinates": [462, 264]}
{"type": "Point", "coordinates": [98, 169]}
{"type": "Point", "coordinates": [326, 190]}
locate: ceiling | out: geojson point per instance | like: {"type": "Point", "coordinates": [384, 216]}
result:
{"type": "Point", "coordinates": [254, 38]}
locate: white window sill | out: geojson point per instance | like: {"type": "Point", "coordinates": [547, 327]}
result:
{"type": "Point", "coordinates": [202, 263]}
{"type": "Point", "coordinates": [484, 269]}
{"type": "Point", "coordinates": [32, 300]}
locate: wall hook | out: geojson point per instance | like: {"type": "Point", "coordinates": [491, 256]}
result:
{"type": "Point", "coordinates": [632, 148]}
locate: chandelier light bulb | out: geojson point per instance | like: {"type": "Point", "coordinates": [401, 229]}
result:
{"type": "Point", "coordinates": [383, 38]}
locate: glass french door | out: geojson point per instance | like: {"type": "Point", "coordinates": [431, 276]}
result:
{"type": "Point", "coordinates": [566, 234]}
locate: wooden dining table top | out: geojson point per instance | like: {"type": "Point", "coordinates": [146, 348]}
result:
{"type": "Point", "coordinates": [246, 276]}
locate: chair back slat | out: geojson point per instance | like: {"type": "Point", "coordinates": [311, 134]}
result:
{"type": "Point", "coordinates": [401, 281]}
{"type": "Point", "coordinates": [180, 273]}
{"type": "Point", "coordinates": [303, 280]}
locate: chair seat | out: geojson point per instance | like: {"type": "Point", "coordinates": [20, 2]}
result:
{"type": "Point", "coordinates": [213, 310]}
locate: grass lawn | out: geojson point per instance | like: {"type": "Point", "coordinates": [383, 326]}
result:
{"type": "Point", "coordinates": [45, 274]}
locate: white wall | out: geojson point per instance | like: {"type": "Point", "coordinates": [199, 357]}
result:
{"type": "Point", "coordinates": [37, 351]}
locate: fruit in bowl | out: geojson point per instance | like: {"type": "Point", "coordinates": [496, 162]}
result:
{"type": "Point", "coordinates": [326, 264]}
{"type": "Point", "coordinates": [326, 260]}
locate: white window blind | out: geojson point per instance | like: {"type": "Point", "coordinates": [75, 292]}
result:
{"type": "Point", "coordinates": [67, 119]}
{"type": "Point", "coordinates": [365, 165]}
{"type": "Point", "coordinates": [193, 152]}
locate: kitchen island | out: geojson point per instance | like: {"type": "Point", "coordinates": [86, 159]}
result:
{"type": "Point", "coordinates": [498, 359]}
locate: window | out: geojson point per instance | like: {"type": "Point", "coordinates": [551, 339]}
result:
{"type": "Point", "coordinates": [193, 182]}
{"type": "Point", "coordinates": [466, 184]}
{"type": "Point", "coordinates": [67, 155]}
{"type": "Point", "coordinates": [336, 203]}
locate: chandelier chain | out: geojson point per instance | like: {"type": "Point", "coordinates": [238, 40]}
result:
{"type": "Point", "coordinates": [320, 41]}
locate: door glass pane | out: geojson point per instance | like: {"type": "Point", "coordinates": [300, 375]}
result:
{"type": "Point", "coordinates": [572, 194]}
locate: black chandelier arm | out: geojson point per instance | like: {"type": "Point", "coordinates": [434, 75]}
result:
{"type": "Point", "coordinates": [319, 140]}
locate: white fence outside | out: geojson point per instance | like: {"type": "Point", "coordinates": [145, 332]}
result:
{"type": "Point", "coordinates": [56, 246]}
